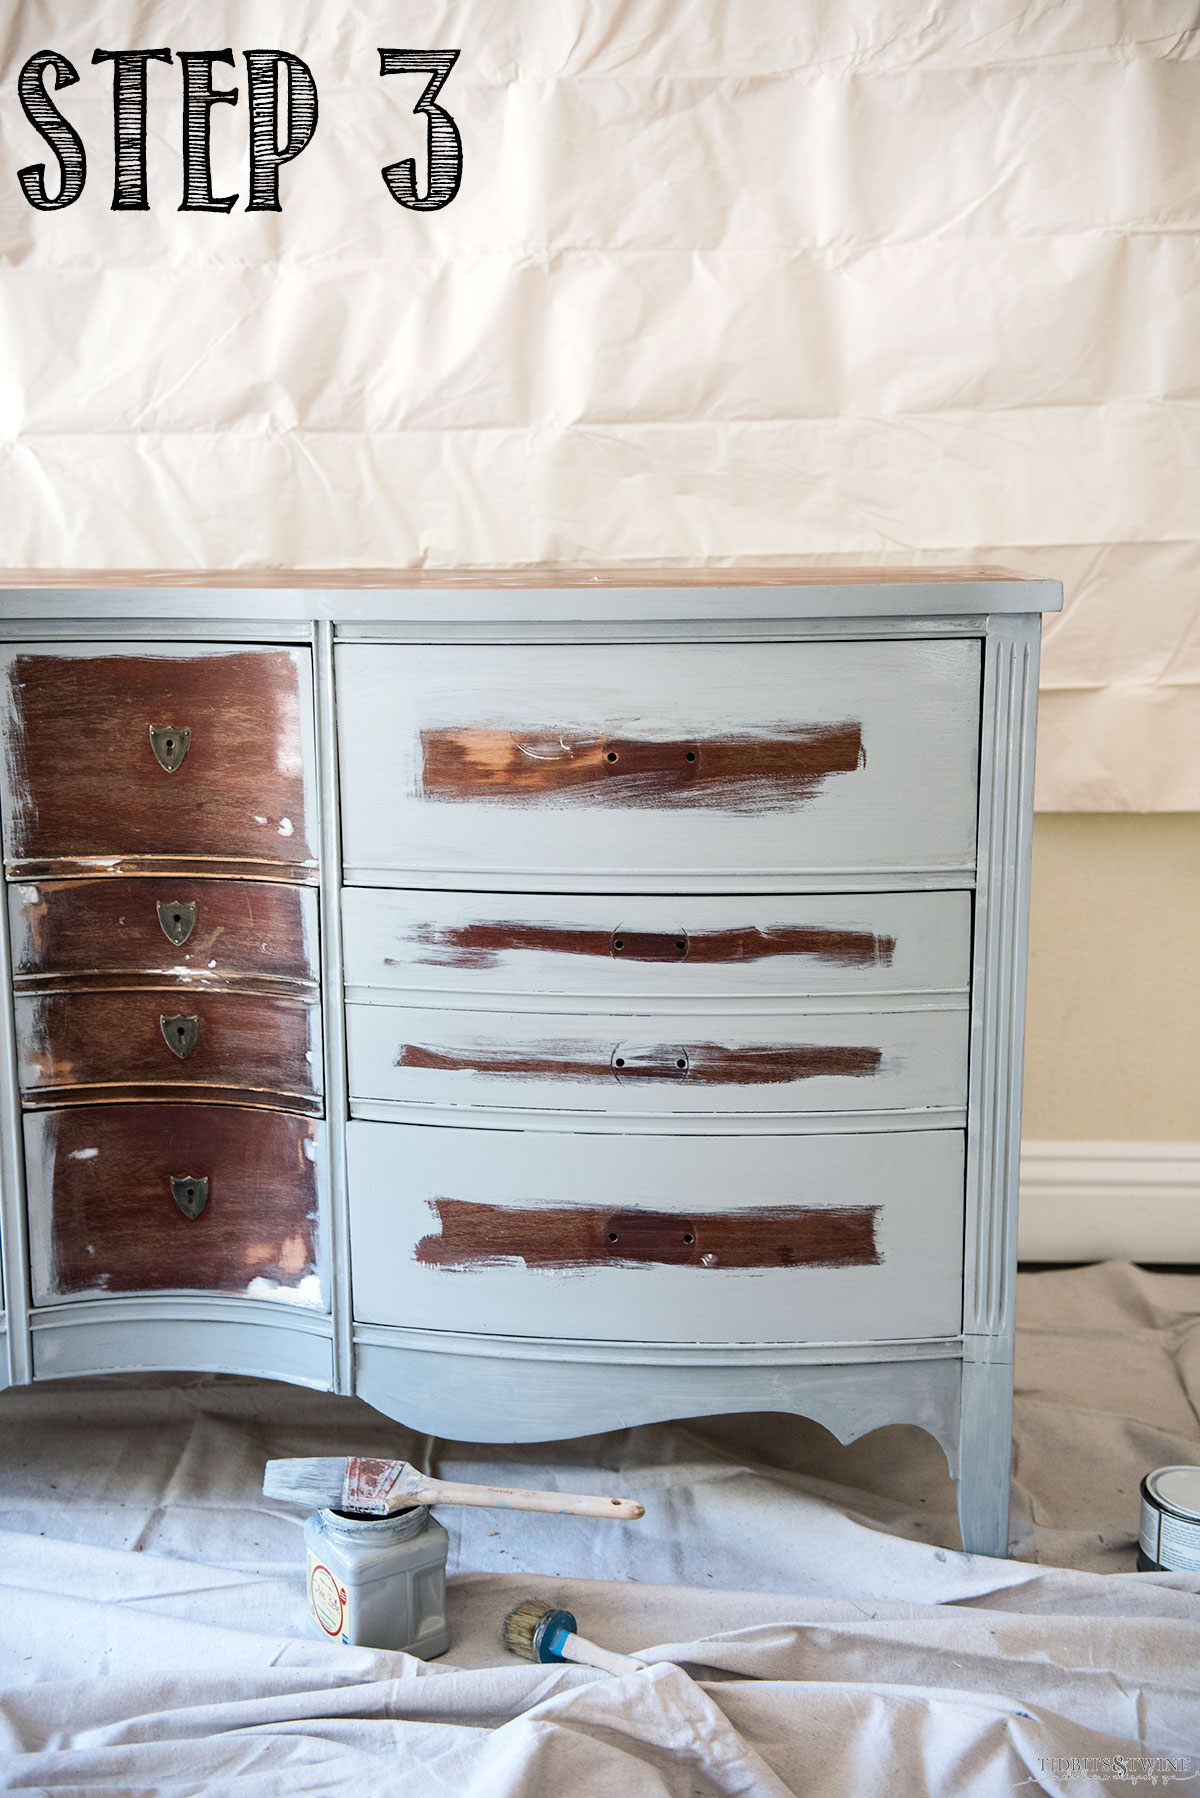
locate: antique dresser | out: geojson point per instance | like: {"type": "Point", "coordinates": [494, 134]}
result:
{"type": "Point", "coordinates": [536, 1004]}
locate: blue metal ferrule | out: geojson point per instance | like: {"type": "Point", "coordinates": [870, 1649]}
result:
{"type": "Point", "coordinates": [551, 1633]}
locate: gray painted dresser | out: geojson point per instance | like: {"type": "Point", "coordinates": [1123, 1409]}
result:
{"type": "Point", "coordinates": [536, 1004]}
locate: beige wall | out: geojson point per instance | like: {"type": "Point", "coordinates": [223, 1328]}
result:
{"type": "Point", "coordinates": [1113, 1041]}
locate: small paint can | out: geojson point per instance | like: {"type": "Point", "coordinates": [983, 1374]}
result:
{"type": "Point", "coordinates": [378, 1581]}
{"type": "Point", "coordinates": [1170, 1535]}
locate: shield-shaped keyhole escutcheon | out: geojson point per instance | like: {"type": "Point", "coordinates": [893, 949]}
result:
{"type": "Point", "coordinates": [190, 1193]}
{"type": "Point", "coordinates": [178, 919]}
{"type": "Point", "coordinates": [180, 1035]}
{"type": "Point", "coordinates": [170, 743]}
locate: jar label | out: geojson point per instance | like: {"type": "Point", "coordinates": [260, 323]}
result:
{"type": "Point", "coordinates": [326, 1599]}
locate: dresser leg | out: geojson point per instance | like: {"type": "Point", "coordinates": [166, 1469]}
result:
{"type": "Point", "coordinates": [985, 1453]}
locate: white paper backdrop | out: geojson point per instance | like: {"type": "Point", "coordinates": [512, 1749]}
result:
{"type": "Point", "coordinates": [776, 280]}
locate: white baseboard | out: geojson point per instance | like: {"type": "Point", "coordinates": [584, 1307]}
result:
{"type": "Point", "coordinates": [1102, 1201]}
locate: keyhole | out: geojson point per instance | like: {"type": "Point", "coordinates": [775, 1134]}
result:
{"type": "Point", "coordinates": [170, 744]}
{"type": "Point", "coordinates": [179, 1031]}
{"type": "Point", "coordinates": [191, 1192]}
{"type": "Point", "coordinates": [177, 919]}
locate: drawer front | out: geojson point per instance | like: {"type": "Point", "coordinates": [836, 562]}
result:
{"type": "Point", "coordinates": [206, 931]}
{"type": "Point", "coordinates": [617, 765]}
{"type": "Point", "coordinates": [688, 948]}
{"type": "Point", "coordinates": [113, 1190]}
{"type": "Point", "coordinates": [656, 1238]}
{"type": "Point", "coordinates": [692, 1064]}
{"type": "Point", "coordinates": [109, 1043]}
{"type": "Point", "coordinates": [121, 754]}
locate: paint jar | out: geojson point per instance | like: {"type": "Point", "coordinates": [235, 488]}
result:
{"type": "Point", "coordinates": [379, 1582]}
{"type": "Point", "coordinates": [1170, 1535]}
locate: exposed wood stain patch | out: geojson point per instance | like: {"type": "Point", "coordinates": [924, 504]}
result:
{"type": "Point", "coordinates": [561, 1237]}
{"type": "Point", "coordinates": [106, 1177]}
{"type": "Point", "coordinates": [701, 1064]}
{"type": "Point", "coordinates": [740, 772]}
{"type": "Point", "coordinates": [79, 754]}
{"type": "Point", "coordinates": [482, 945]}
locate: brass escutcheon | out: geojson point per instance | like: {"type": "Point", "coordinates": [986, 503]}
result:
{"type": "Point", "coordinates": [178, 919]}
{"type": "Point", "coordinates": [190, 1193]}
{"type": "Point", "coordinates": [170, 743]}
{"type": "Point", "coordinates": [180, 1035]}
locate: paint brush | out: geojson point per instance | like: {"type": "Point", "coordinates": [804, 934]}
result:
{"type": "Point", "coordinates": [540, 1632]}
{"type": "Point", "coordinates": [377, 1488]}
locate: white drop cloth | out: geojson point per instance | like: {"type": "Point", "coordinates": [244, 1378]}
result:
{"type": "Point", "coordinates": [811, 1628]}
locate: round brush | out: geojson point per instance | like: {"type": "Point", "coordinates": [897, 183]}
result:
{"type": "Point", "coordinates": [540, 1632]}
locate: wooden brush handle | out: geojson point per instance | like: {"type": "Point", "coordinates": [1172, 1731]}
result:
{"type": "Point", "coordinates": [590, 1654]}
{"type": "Point", "coordinates": [516, 1498]}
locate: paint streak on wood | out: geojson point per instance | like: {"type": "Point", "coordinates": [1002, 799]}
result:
{"type": "Point", "coordinates": [109, 1038]}
{"type": "Point", "coordinates": [87, 782]}
{"type": "Point", "coordinates": [562, 1237]}
{"type": "Point", "coordinates": [762, 772]}
{"type": "Point", "coordinates": [116, 1227]}
{"type": "Point", "coordinates": [704, 1064]}
{"type": "Point", "coordinates": [81, 927]}
{"type": "Point", "coordinates": [482, 945]}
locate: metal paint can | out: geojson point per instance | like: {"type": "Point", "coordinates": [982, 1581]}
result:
{"type": "Point", "coordinates": [1170, 1535]}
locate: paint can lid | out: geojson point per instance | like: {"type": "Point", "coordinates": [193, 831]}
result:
{"type": "Point", "coordinates": [1174, 1489]}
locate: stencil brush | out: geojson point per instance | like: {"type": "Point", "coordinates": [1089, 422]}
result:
{"type": "Point", "coordinates": [540, 1632]}
{"type": "Point", "coordinates": [379, 1488]}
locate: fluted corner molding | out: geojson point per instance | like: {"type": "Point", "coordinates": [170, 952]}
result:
{"type": "Point", "coordinates": [1006, 749]}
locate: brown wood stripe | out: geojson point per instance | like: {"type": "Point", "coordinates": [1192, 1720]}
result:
{"type": "Point", "coordinates": [158, 867]}
{"type": "Point", "coordinates": [480, 945]}
{"type": "Point", "coordinates": [707, 1064]}
{"type": "Point", "coordinates": [537, 575]}
{"type": "Point", "coordinates": [473, 1235]}
{"type": "Point", "coordinates": [736, 772]}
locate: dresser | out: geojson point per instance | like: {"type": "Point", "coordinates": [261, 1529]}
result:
{"type": "Point", "coordinates": [538, 1005]}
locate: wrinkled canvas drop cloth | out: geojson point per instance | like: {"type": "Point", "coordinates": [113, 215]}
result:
{"type": "Point", "coordinates": [811, 1627]}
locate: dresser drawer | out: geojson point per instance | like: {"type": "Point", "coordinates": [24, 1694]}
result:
{"type": "Point", "coordinates": [475, 947]}
{"type": "Point", "coordinates": [647, 765]}
{"type": "Point", "coordinates": [117, 754]}
{"type": "Point", "coordinates": [204, 931]}
{"type": "Point", "coordinates": [109, 1043]}
{"type": "Point", "coordinates": [112, 1190]}
{"type": "Point", "coordinates": [693, 1064]}
{"type": "Point", "coordinates": [657, 1238]}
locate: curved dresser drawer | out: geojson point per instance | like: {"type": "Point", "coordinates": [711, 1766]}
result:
{"type": "Point", "coordinates": [837, 1238]}
{"type": "Point", "coordinates": [147, 1198]}
{"type": "Point", "coordinates": [130, 754]}
{"type": "Point", "coordinates": [479, 948]}
{"type": "Point", "coordinates": [693, 1064]}
{"type": "Point", "coordinates": [649, 765]}
{"type": "Point", "coordinates": [103, 1043]}
{"type": "Point", "coordinates": [201, 931]}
